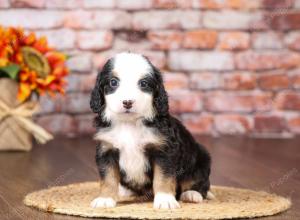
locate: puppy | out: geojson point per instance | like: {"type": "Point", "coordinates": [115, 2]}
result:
{"type": "Point", "coordinates": [143, 149]}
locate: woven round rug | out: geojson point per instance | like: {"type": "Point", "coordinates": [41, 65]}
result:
{"type": "Point", "coordinates": [229, 203]}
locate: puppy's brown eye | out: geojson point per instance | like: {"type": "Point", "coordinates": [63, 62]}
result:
{"type": "Point", "coordinates": [114, 83]}
{"type": "Point", "coordinates": [143, 83]}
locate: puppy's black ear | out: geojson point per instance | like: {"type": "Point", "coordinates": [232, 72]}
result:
{"type": "Point", "coordinates": [97, 101]}
{"type": "Point", "coordinates": [97, 97]}
{"type": "Point", "coordinates": [160, 101]}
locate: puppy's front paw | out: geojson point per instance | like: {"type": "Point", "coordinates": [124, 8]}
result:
{"type": "Point", "coordinates": [104, 202]}
{"type": "Point", "coordinates": [165, 201]}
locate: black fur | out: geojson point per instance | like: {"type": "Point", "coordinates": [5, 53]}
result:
{"type": "Point", "coordinates": [180, 157]}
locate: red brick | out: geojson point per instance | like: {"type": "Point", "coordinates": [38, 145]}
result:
{"type": "Point", "coordinates": [243, 4]}
{"type": "Point", "coordinates": [232, 20]}
{"type": "Point", "coordinates": [78, 19]}
{"type": "Point", "coordinates": [166, 4]}
{"type": "Point", "coordinates": [65, 4]}
{"type": "Point", "coordinates": [294, 124]}
{"type": "Point", "coordinates": [286, 20]}
{"type": "Point", "coordinates": [198, 60]}
{"type": "Point", "coordinates": [51, 19]}
{"type": "Point", "coordinates": [174, 81]}
{"type": "Point", "coordinates": [80, 63]}
{"type": "Point", "coordinates": [4, 3]}
{"type": "Point", "coordinates": [221, 102]}
{"type": "Point", "coordinates": [239, 81]}
{"type": "Point", "coordinates": [28, 3]}
{"type": "Point", "coordinates": [73, 82]}
{"type": "Point", "coordinates": [76, 103]}
{"type": "Point", "coordinates": [269, 124]}
{"type": "Point", "coordinates": [88, 82]}
{"type": "Point", "coordinates": [163, 19]}
{"type": "Point", "coordinates": [185, 101]}
{"type": "Point", "coordinates": [267, 40]}
{"type": "Point", "coordinates": [61, 39]}
{"type": "Point", "coordinates": [273, 81]}
{"type": "Point", "coordinates": [48, 105]}
{"type": "Point", "coordinates": [203, 39]}
{"type": "Point", "coordinates": [198, 124]}
{"type": "Point", "coordinates": [158, 58]}
{"type": "Point", "coordinates": [295, 78]}
{"type": "Point", "coordinates": [104, 19]}
{"type": "Point", "coordinates": [165, 40]}
{"type": "Point", "coordinates": [288, 101]}
{"type": "Point", "coordinates": [234, 41]}
{"type": "Point", "coordinates": [99, 4]}
{"type": "Point", "coordinates": [232, 124]}
{"type": "Point", "coordinates": [173, 4]}
{"type": "Point", "coordinates": [58, 124]}
{"type": "Point", "coordinates": [275, 4]}
{"type": "Point", "coordinates": [99, 59]}
{"type": "Point", "coordinates": [205, 81]}
{"type": "Point", "coordinates": [292, 40]}
{"type": "Point", "coordinates": [134, 4]}
{"type": "Point", "coordinates": [208, 4]}
{"type": "Point", "coordinates": [230, 102]}
{"type": "Point", "coordinates": [262, 102]}
{"type": "Point", "coordinates": [113, 19]}
{"type": "Point", "coordinates": [235, 4]}
{"type": "Point", "coordinates": [84, 124]}
{"type": "Point", "coordinates": [266, 60]}
{"type": "Point", "coordinates": [94, 40]}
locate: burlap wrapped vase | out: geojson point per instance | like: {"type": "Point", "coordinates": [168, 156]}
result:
{"type": "Point", "coordinates": [16, 125]}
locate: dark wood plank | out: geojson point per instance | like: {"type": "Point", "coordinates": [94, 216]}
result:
{"type": "Point", "coordinates": [259, 164]}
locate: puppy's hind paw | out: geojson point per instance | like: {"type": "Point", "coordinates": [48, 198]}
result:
{"type": "Point", "coordinates": [165, 201]}
{"type": "Point", "coordinates": [191, 196]}
{"type": "Point", "coordinates": [104, 202]}
{"type": "Point", "coordinates": [210, 195]}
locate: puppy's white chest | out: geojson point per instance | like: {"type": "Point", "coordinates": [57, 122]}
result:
{"type": "Point", "coordinates": [131, 139]}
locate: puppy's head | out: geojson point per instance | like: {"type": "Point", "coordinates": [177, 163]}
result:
{"type": "Point", "coordinates": [129, 87]}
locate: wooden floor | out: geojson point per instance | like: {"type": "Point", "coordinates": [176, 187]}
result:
{"type": "Point", "coordinates": [259, 164]}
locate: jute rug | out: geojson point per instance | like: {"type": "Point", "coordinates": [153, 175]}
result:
{"type": "Point", "coordinates": [229, 203]}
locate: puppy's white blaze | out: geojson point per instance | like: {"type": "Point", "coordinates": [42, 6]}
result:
{"type": "Point", "coordinates": [191, 196]}
{"type": "Point", "coordinates": [165, 201]}
{"type": "Point", "coordinates": [104, 202]}
{"type": "Point", "coordinates": [130, 65]}
{"type": "Point", "coordinates": [130, 138]}
{"type": "Point", "coordinates": [130, 68]}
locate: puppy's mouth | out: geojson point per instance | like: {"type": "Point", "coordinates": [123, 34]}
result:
{"type": "Point", "coordinates": [128, 111]}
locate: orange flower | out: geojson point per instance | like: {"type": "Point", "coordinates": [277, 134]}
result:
{"type": "Point", "coordinates": [42, 69]}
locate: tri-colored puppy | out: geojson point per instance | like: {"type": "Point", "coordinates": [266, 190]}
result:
{"type": "Point", "coordinates": [142, 148]}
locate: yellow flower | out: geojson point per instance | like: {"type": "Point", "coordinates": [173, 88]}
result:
{"type": "Point", "coordinates": [42, 69]}
{"type": "Point", "coordinates": [3, 62]}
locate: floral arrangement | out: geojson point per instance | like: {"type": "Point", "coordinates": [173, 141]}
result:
{"type": "Point", "coordinates": [30, 61]}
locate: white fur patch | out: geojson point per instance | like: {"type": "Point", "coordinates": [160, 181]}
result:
{"type": "Point", "coordinates": [104, 202]}
{"type": "Point", "coordinates": [165, 201]}
{"type": "Point", "coordinates": [130, 68]}
{"type": "Point", "coordinates": [130, 138]}
{"type": "Point", "coordinates": [191, 196]}
{"type": "Point", "coordinates": [124, 192]}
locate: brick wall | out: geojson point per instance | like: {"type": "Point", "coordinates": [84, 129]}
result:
{"type": "Point", "coordinates": [230, 66]}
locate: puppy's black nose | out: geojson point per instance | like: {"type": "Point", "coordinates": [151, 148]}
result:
{"type": "Point", "coordinates": [127, 104]}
